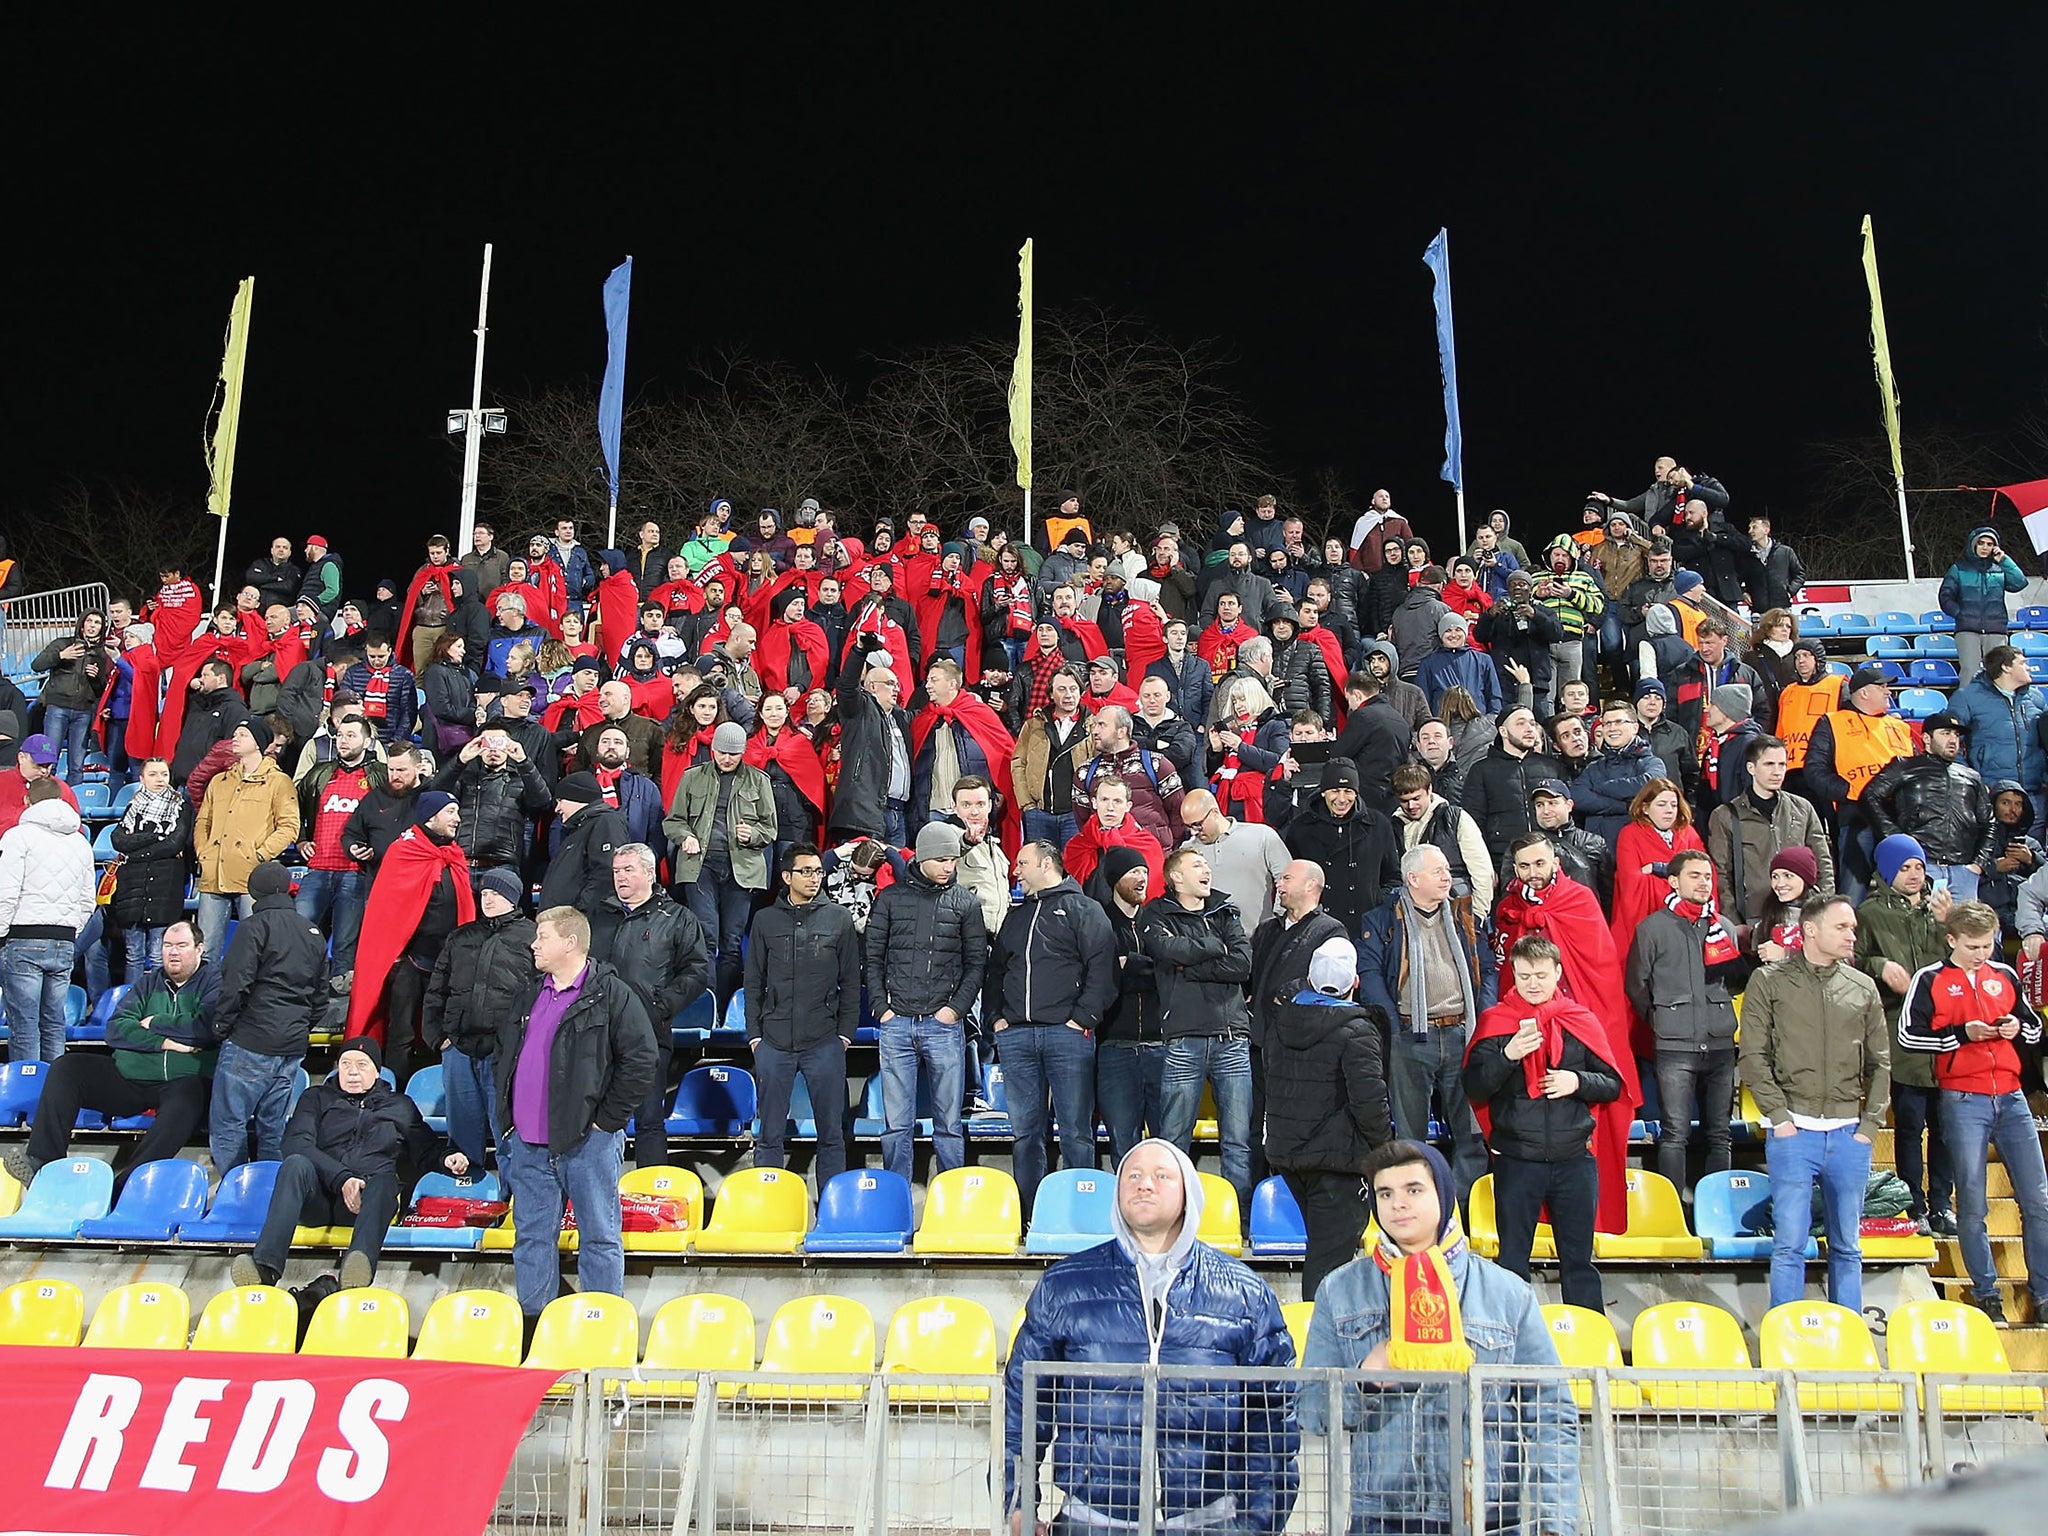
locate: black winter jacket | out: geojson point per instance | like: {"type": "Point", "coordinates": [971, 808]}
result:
{"type": "Point", "coordinates": [149, 890]}
{"type": "Point", "coordinates": [360, 1135]}
{"type": "Point", "coordinates": [1053, 963]}
{"type": "Point", "coordinates": [1944, 805]}
{"type": "Point", "coordinates": [860, 801]}
{"type": "Point", "coordinates": [1134, 1016]}
{"type": "Point", "coordinates": [659, 950]}
{"type": "Point", "coordinates": [1537, 1130]}
{"type": "Point", "coordinates": [1280, 956]}
{"type": "Point", "coordinates": [496, 803]}
{"type": "Point", "coordinates": [803, 973]}
{"type": "Point", "coordinates": [1201, 962]}
{"type": "Point", "coordinates": [580, 875]}
{"type": "Point", "coordinates": [1360, 855]}
{"type": "Point", "coordinates": [1525, 638]}
{"type": "Point", "coordinates": [483, 975]}
{"type": "Point", "coordinates": [602, 1064]}
{"type": "Point", "coordinates": [927, 947]}
{"type": "Point", "coordinates": [1497, 794]}
{"type": "Point", "coordinates": [1375, 738]}
{"type": "Point", "coordinates": [1301, 678]}
{"type": "Point", "coordinates": [1326, 1085]}
{"type": "Point", "coordinates": [384, 816]}
{"type": "Point", "coordinates": [209, 718]}
{"type": "Point", "coordinates": [273, 982]}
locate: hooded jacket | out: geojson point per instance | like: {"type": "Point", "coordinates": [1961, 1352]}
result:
{"type": "Point", "coordinates": [1602, 792]}
{"type": "Point", "coordinates": [149, 890]}
{"type": "Point", "coordinates": [273, 980]}
{"type": "Point", "coordinates": [1497, 794]}
{"type": "Point", "coordinates": [2002, 731]}
{"type": "Point", "coordinates": [1224, 1449]}
{"type": "Point", "coordinates": [1301, 678]}
{"type": "Point", "coordinates": [1326, 1084]}
{"type": "Point", "coordinates": [1412, 629]}
{"type": "Point", "coordinates": [244, 821]}
{"type": "Point", "coordinates": [1464, 668]}
{"type": "Point", "coordinates": [1360, 853]}
{"type": "Point", "coordinates": [74, 682]}
{"type": "Point", "coordinates": [1973, 591]}
{"type": "Point", "coordinates": [46, 875]}
{"type": "Point", "coordinates": [926, 947]}
{"type": "Point", "coordinates": [1201, 962]}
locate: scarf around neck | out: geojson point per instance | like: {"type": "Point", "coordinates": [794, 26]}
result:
{"type": "Point", "coordinates": [1416, 990]}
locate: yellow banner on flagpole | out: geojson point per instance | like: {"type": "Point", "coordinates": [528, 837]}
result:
{"type": "Point", "coordinates": [1020, 375]}
{"type": "Point", "coordinates": [220, 451]}
{"type": "Point", "coordinates": [1881, 351]}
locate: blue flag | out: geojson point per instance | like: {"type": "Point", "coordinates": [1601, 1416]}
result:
{"type": "Point", "coordinates": [1438, 259]}
{"type": "Point", "coordinates": [611, 397]}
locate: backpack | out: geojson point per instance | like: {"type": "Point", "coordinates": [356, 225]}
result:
{"type": "Point", "coordinates": [1144, 757]}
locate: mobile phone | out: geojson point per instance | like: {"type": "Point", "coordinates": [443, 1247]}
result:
{"type": "Point", "coordinates": [1940, 883]}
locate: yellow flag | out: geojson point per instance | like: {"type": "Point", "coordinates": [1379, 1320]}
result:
{"type": "Point", "coordinates": [1887, 387]}
{"type": "Point", "coordinates": [1020, 375]}
{"type": "Point", "coordinates": [220, 453]}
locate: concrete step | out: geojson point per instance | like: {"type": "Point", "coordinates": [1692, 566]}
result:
{"type": "Point", "coordinates": [2026, 1349]}
{"type": "Point", "coordinates": [2008, 1258]}
{"type": "Point", "coordinates": [2018, 1301]}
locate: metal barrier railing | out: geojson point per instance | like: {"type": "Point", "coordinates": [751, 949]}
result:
{"type": "Point", "coordinates": [1133, 1449]}
{"type": "Point", "coordinates": [40, 617]}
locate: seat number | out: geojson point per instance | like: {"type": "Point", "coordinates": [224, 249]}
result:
{"type": "Point", "coordinates": [868, 1181]}
{"type": "Point", "coordinates": [1940, 1325]}
{"type": "Point", "coordinates": [150, 1298]}
{"type": "Point", "coordinates": [46, 1292]}
{"type": "Point", "coordinates": [1084, 1186]}
{"type": "Point", "coordinates": [1740, 1181]}
{"type": "Point", "coordinates": [593, 1314]}
{"type": "Point", "coordinates": [1809, 1320]}
{"type": "Point", "coordinates": [711, 1315]}
{"type": "Point", "coordinates": [479, 1312]}
{"type": "Point", "coordinates": [663, 1182]}
{"type": "Point", "coordinates": [718, 1074]}
{"type": "Point", "coordinates": [1686, 1324]}
{"type": "Point", "coordinates": [1562, 1325]}
{"type": "Point", "coordinates": [367, 1304]}
{"type": "Point", "coordinates": [256, 1297]}
{"type": "Point", "coordinates": [972, 1181]}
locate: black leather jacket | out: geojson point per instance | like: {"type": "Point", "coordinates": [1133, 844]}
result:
{"type": "Point", "coordinates": [1945, 805]}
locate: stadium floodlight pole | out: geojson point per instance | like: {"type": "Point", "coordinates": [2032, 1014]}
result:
{"type": "Point", "coordinates": [475, 421]}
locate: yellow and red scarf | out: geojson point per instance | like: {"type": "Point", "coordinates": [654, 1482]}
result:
{"type": "Point", "coordinates": [1425, 1329]}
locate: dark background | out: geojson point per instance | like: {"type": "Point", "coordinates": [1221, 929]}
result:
{"type": "Point", "coordinates": [1654, 230]}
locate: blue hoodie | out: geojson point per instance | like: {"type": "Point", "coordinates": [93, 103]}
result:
{"type": "Point", "coordinates": [1973, 591]}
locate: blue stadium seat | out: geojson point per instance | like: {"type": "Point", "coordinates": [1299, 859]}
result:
{"type": "Point", "coordinates": [693, 1026]}
{"type": "Point", "coordinates": [1278, 1229]}
{"type": "Point", "coordinates": [869, 1119]}
{"type": "Point", "coordinates": [424, 1089]}
{"type": "Point", "coordinates": [301, 1081]}
{"type": "Point", "coordinates": [236, 1214]}
{"type": "Point", "coordinates": [156, 1199]}
{"type": "Point", "coordinates": [1894, 674]}
{"type": "Point", "coordinates": [1721, 1205]}
{"type": "Point", "coordinates": [94, 799]}
{"type": "Point", "coordinates": [1852, 624]}
{"type": "Point", "coordinates": [76, 1006]}
{"type": "Point", "coordinates": [1840, 669]}
{"type": "Point", "coordinates": [1815, 626]}
{"type": "Point", "coordinates": [1932, 672]}
{"type": "Point", "coordinates": [2028, 643]}
{"type": "Point", "coordinates": [1896, 647]}
{"type": "Point", "coordinates": [94, 1025]}
{"type": "Point", "coordinates": [2037, 668]}
{"type": "Point", "coordinates": [996, 1123]}
{"type": "Point", "coordinates": [103, 850]}
{"type": "Point", "coordinates": [2031, 618]}
{"type": "Point", "coordinates": [123, 798]}
{"type": "Point", "coordinates": [1938, 623]}
{"type": "Point", "coordinates": [1896, 622]}
{"type": "Point", "coordinates": [1919, 703]}
{"type": "Point", "coordinates": [1935, 645]}
{"type": "Point", "coordinates": [732, 1029]}
{"type": "Point", "coordinates": [713, 1101]}
{"type": "Point", "coordinates": [863, 1210]}
{"type": "Point", "coordinates": [21, 1089]}
{"type": "Point", "coordinates": [1071, 1211]}
{"type": "Point", "coordinates": [65, 1194]}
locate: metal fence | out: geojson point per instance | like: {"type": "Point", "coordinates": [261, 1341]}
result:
{"type": "Point", "coordinates": [1120, 1448]}
{"type": "Point", "coordinates": [37, 619]}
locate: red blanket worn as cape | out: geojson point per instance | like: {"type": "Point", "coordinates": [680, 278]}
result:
{"type": "Point", "coordinates": [794, 754]}
{"type": "Point", "coordinates": [929, 599]}
{"type": "Point", "coordinates": [989, 733]}
{"type": "Point", "coordinates": [441, 576]}
{"type": "Point", "coordinates": [398, 896]}
{"type": "Point", "coordinates": [1084, 850]}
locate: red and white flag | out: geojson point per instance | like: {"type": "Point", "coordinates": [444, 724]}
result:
{"type": "Point", "coordinates": [2031, 498]}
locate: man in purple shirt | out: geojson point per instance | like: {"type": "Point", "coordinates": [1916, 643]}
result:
{"type": "Point", "coordinates": [573, 1067]}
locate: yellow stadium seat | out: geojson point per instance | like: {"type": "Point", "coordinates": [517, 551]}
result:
{"type": "Point", "coordinates": [1820, 1336]}
{"type": "Point", "coordinates": [500, 1237]}
{"type": "Point", "coordinates": [589, 1331]}
{"type": "Point", "coordinates": [41, 1312]}
{"type": "Point", "coordinates": [970, 1210]}
{"type": "Point", "coordinates": [758, 1210]}
{"type": "Point", "coordinates": [1484, 1232]}
{"type": "Point", "coordinates": [1746, 1109]}
{"type": "Point", "coordinates": [1207, 1128]}
{"type": "Point", "coordinates": [141, 1316]}
{"type": "Point", "coordinates": [1221, 1227]}
{"type": "Point", "coordinates": [940, 1336]}
{"type": "Point", "coordinates": [1912, 1250]}
{"type": "Point", "coordinates": [371, 1322]}
{"type": "Point", "coordinates": [818, 1334]}
{"type": "Point", "coordinates": [1686, 1336]}
{"type": "Point", "coordinates": [702, 1332]}
{"type": "Point", "coordinates": [1656, 1223]}
{"type": "Point", "coordinates": [677, 1184]}
{"type": "Point", "coordinates": [250, 1320]}
{"type": "Point", "coordinates": [474, 1327]}
{"type": "Point", "coordinates": [1298, 1315]}
{"type": "Point", "coordinates": [1016, 1327]}
{"type": "Point", "coordinates": [1585, 1340]}
{"type": "Point", "coordinates": [10, 1193]}
{"type": "Point", "coordinates": [321, 1237]}
{"type": "Point", "coordinates": [1947, 1338]}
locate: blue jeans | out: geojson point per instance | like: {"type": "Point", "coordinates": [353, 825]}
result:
{"type": "Point", "coordinates": [823, 1064]}
{"type": "Point", "coordinates": [1432, 1066]}
{"type": "Point", "coordinates": [252, 1097]}
{"type": "Point", "coordinates": [896, 824]}
{"type": "Point", "coordinates": [1127, 1090]}
{"type": "Point", "coordinates": [1962, 880]}
{"type": "Point", "coordinates": [1842, 1164]}
{"type": "Point", "coordinates": [68, 728]}
{"type": "Point", "coordinates": [1855, 850]}
{"type": "Point", "coordinates": [1613, 638]}
{"type": "Point", "coordinates": [35, 975]}
{"type": "Point", "coordinates": [537, 1180]}
{"type": "Point", "coordinates": [1045, 827]}
{"type": "Point", "coordinates": [941, 1049]}
{"type": "Point", "coordinates": [722, 906]}
{"type": "Point", "coordinates": [1225, 1062]}
{"type": "Point", "coordinates": [1970, 1122]}
{"type": "Point", "coordinates": [471, 1086]}
{"type": "Point", "coordinates": [145, 950]}
{"type": "Point", "coordinates": [1047, 1063]}
{"type": "Point", "coordinates": [213, 914]}
{"type": "Point", "coordinates": [94, 951]}
{"type": "Point", "coordinates": [344, 893]}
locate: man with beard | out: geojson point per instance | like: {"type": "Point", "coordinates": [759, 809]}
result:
{"type": "Point", "coordinates": [1498, 788]}
{"type": "Point", "coordinates": [1542, 899]}
{"type": "Point", "coordinates": [1356, 846]}
{"type": "Point", "coordinates": [636, 797]}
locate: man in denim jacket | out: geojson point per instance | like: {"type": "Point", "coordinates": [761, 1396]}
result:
{"type": "Point", "coordinates": [1403, 1443]}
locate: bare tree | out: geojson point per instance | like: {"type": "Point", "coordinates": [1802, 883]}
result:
{"type": "Point", "coordinates": [1851, 527]}
{"type": "Point", "coordinates": [114, 531]}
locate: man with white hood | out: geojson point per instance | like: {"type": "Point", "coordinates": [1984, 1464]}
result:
{"type": "Point", "coordinates": [1225, 1453]}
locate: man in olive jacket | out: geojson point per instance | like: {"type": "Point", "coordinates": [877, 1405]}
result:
{"type": "Point", "coordinates": [722, 824]}
{"type": "Point", "coordinates": [1817, 1055]}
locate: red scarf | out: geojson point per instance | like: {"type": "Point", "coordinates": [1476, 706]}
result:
{"type": "Point", "coordinates": [405, 881]}
{"type": "Point", "coordinates": [1720, 943]}
{"type": "Point", "coordinates": [1569, 915]}
{"type": "Point", "coordinates": [1042, 667]}
{"type": "Point", "coordinates": [1015, 593]}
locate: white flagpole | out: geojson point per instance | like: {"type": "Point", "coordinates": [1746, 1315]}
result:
{"type": "Point", "coordinates": [474, 434]}
{"type": "Point", "coordinates": [1463, 542]}
{"type": "Point", "coordinates": [220, 560]}
{"type": "Point", "coordinates": [1905, 527]}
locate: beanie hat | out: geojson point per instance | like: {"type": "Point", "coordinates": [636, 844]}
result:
{"type": "Point", "coordinates": [431, 803]}
{"type": "Point", "coordinates": [316, 541]}
{"type": "Point", "coordinates": [1733, 700]}
{"type": "Point", "coordinates": [1450, 624]}
{"type": "Point", "coordinates": [365, 1046]}
{"type": "Point", "coordinates": [504, 882]}
{"type": "Point", "coordinates": [260, 731]}
{"type": "Point", "coordinates": [729, 737]}
{"type": "Point", "coordinates": [938, 840]}
{"type": "Point", "coordinates": [269, 879]}
{"type": "Point", "coordinates": [1339, 773]}
{"type": "Point", "coordinates": [1800, 860]}
{"type": "Point", "coordinates": [1652, 685]}
{"type": "Point", "coordinates": [1684, 582]}
{"type": "Point", "coordinates": [1520, 583]}
{"type": "Point", "coordinates": [1894, 852]}
{"type": "Point", "coordinates": [1333, 968]}
{"type": "Point", "coordinates": [578, 789]}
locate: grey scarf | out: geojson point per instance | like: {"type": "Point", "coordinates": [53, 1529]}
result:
{"type": "Point", "coordinates": [1418, 991]}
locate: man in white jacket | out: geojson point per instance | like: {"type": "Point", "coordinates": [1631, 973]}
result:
{"type": "Point", "coordinates": [46, 897]}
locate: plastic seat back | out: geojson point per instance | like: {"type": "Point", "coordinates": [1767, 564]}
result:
{"type": "Point", "coordinates": [1947, 1338]}
{"type": "Point", "coordinates": [156, 1200]}
{"type": "Point", "coordinates": [1935, 645]}
{"type": "Point", "coordinates": [1820, 1336]}
{"type": "Point", "coordinates": [706, 1331]}
{"type": "Point", "coordinates": [586, 1332]}
{"type": "Point", "coordinates": [236, 1214]}
{"type": "Point", "coordinates": [665, 1181]}
{"type": "Point", "coordinates": [1221, 1225]}
{"type": "Point", "coordinates": [21, 1089]}
{"type": "Point", "coordinates": [940, 1336]}
{"type": "Point", "coordinates": [94, 1025]}
{"type": "Point", "coordinates": [1687, 1336]}
{"type": "Point", "coordinates": [1656, 1223]}
{"type": "Point", "coordinates": [1298, 1315]}
{"type": "Point", "coordinates": [145, 1315]}
{"type": "Point", "coordinates": [1721, 1203]}
{"type": "Point", "coordinates": [1277, 1224]}
{"type": "Point", "coordinates": [1072, 1211]}
{"type": "Point", "coordinates": [250, 1320]}
{"type": "Point", "coordinates": [713, 1101]}
{"type": "Point", "coordinates": [472, 1327]}
{"type": "Point", "coordinates": [863, 1210]}
{"type": "Point", "coordinates": [370, 1322]}
{"type": "Point", "coordinates": [65, 1195]}
{"type": "Point", "coordinates": [1585, 1340]}
{"type": "Point", "coordinates": [971, 1210]}
{"type": "Point", "coordinates": [757, 1210]}
{"type": "Point", "coordinates": [1919, 703]}
{"type": "Point", "coordinates": [818, 1334]}
{"type": "Point", "coordinates": [427, 1089]}
{"type": "Point", "coordinates": [42, 1312]}
{"type": "Point", "coordinates": [1482, 1221]}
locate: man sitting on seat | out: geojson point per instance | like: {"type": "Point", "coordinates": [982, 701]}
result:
{"type": "Point", "coordinates": [160, 1058]}
{"type": "Point", "coordinates": [341, 1162]}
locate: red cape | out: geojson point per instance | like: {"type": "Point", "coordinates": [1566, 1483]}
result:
{"type": "Point", "coordinates": [1333, 658]}
{"type": "Point", "coordinates": [587, 709]}
{"type": "Point", "coordinates": [1144, 641]}
{"type": "Point", "coordinates": [1084, 850]}
{"type": "Point", "coordinates": [1119, 693]}
{"type": "Point", "coordinates": [441, 576]}
{"type": "Point", "coordinates": [796, 756]}
{"type": "Point", "coordinates": [986, 727]}
{"type": "Point", "coordinates": [771, 657]}
{"type": "Point", "coordinates": [1637, 895]}
{"type": "Point", "coordinates": [618, 612]}
{"type": "Point", "coordinates": [1220, 649]}
{"type": "Point", "coordinates": [548, 620]}
{"type": "Point", "coordinates": [411, 869]}
{"type": "Point", "coordinates": [686, 595]}
{"type": "Point", "coordinates": [1090, 635]}
{"type": "Point", "coordinates": [930, 604]}
{"type": "Point", "coordinates": [1610, 1120]}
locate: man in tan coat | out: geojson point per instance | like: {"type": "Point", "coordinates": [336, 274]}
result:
{"type": "Point", "coordinates": [250, 815]}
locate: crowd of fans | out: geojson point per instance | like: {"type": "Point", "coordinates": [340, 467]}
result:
{"type": "Point", "coordinates": [1357, 838]}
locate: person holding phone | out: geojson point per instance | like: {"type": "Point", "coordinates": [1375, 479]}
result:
{"type": "Point", "coordinates": [1973, 593]}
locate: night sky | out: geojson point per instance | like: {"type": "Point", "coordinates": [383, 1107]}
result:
{"type": "Point", "coordinates": [1654, 230]}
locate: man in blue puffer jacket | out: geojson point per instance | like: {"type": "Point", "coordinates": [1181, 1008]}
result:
{"type": "Point", "coordinates": [1973, 594]}
{"type": "Point", "coordinates": [2000, 711]}
{"type": "Point", "coordinates": [1225, 1449]}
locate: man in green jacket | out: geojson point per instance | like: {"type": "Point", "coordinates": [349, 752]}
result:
{"type": "Point", "coordinates": [160, 1058]}
{"type": "Point", "coordinates": [722, 824]}
{"type": "Point", "coordinates": [1898, 931]}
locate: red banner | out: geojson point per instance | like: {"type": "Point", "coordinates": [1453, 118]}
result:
{"type": "Point", "coordinates": [159, 1442]}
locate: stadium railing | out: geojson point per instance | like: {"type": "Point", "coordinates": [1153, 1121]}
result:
{"type": "Point", "coordinates": [40, 617]}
